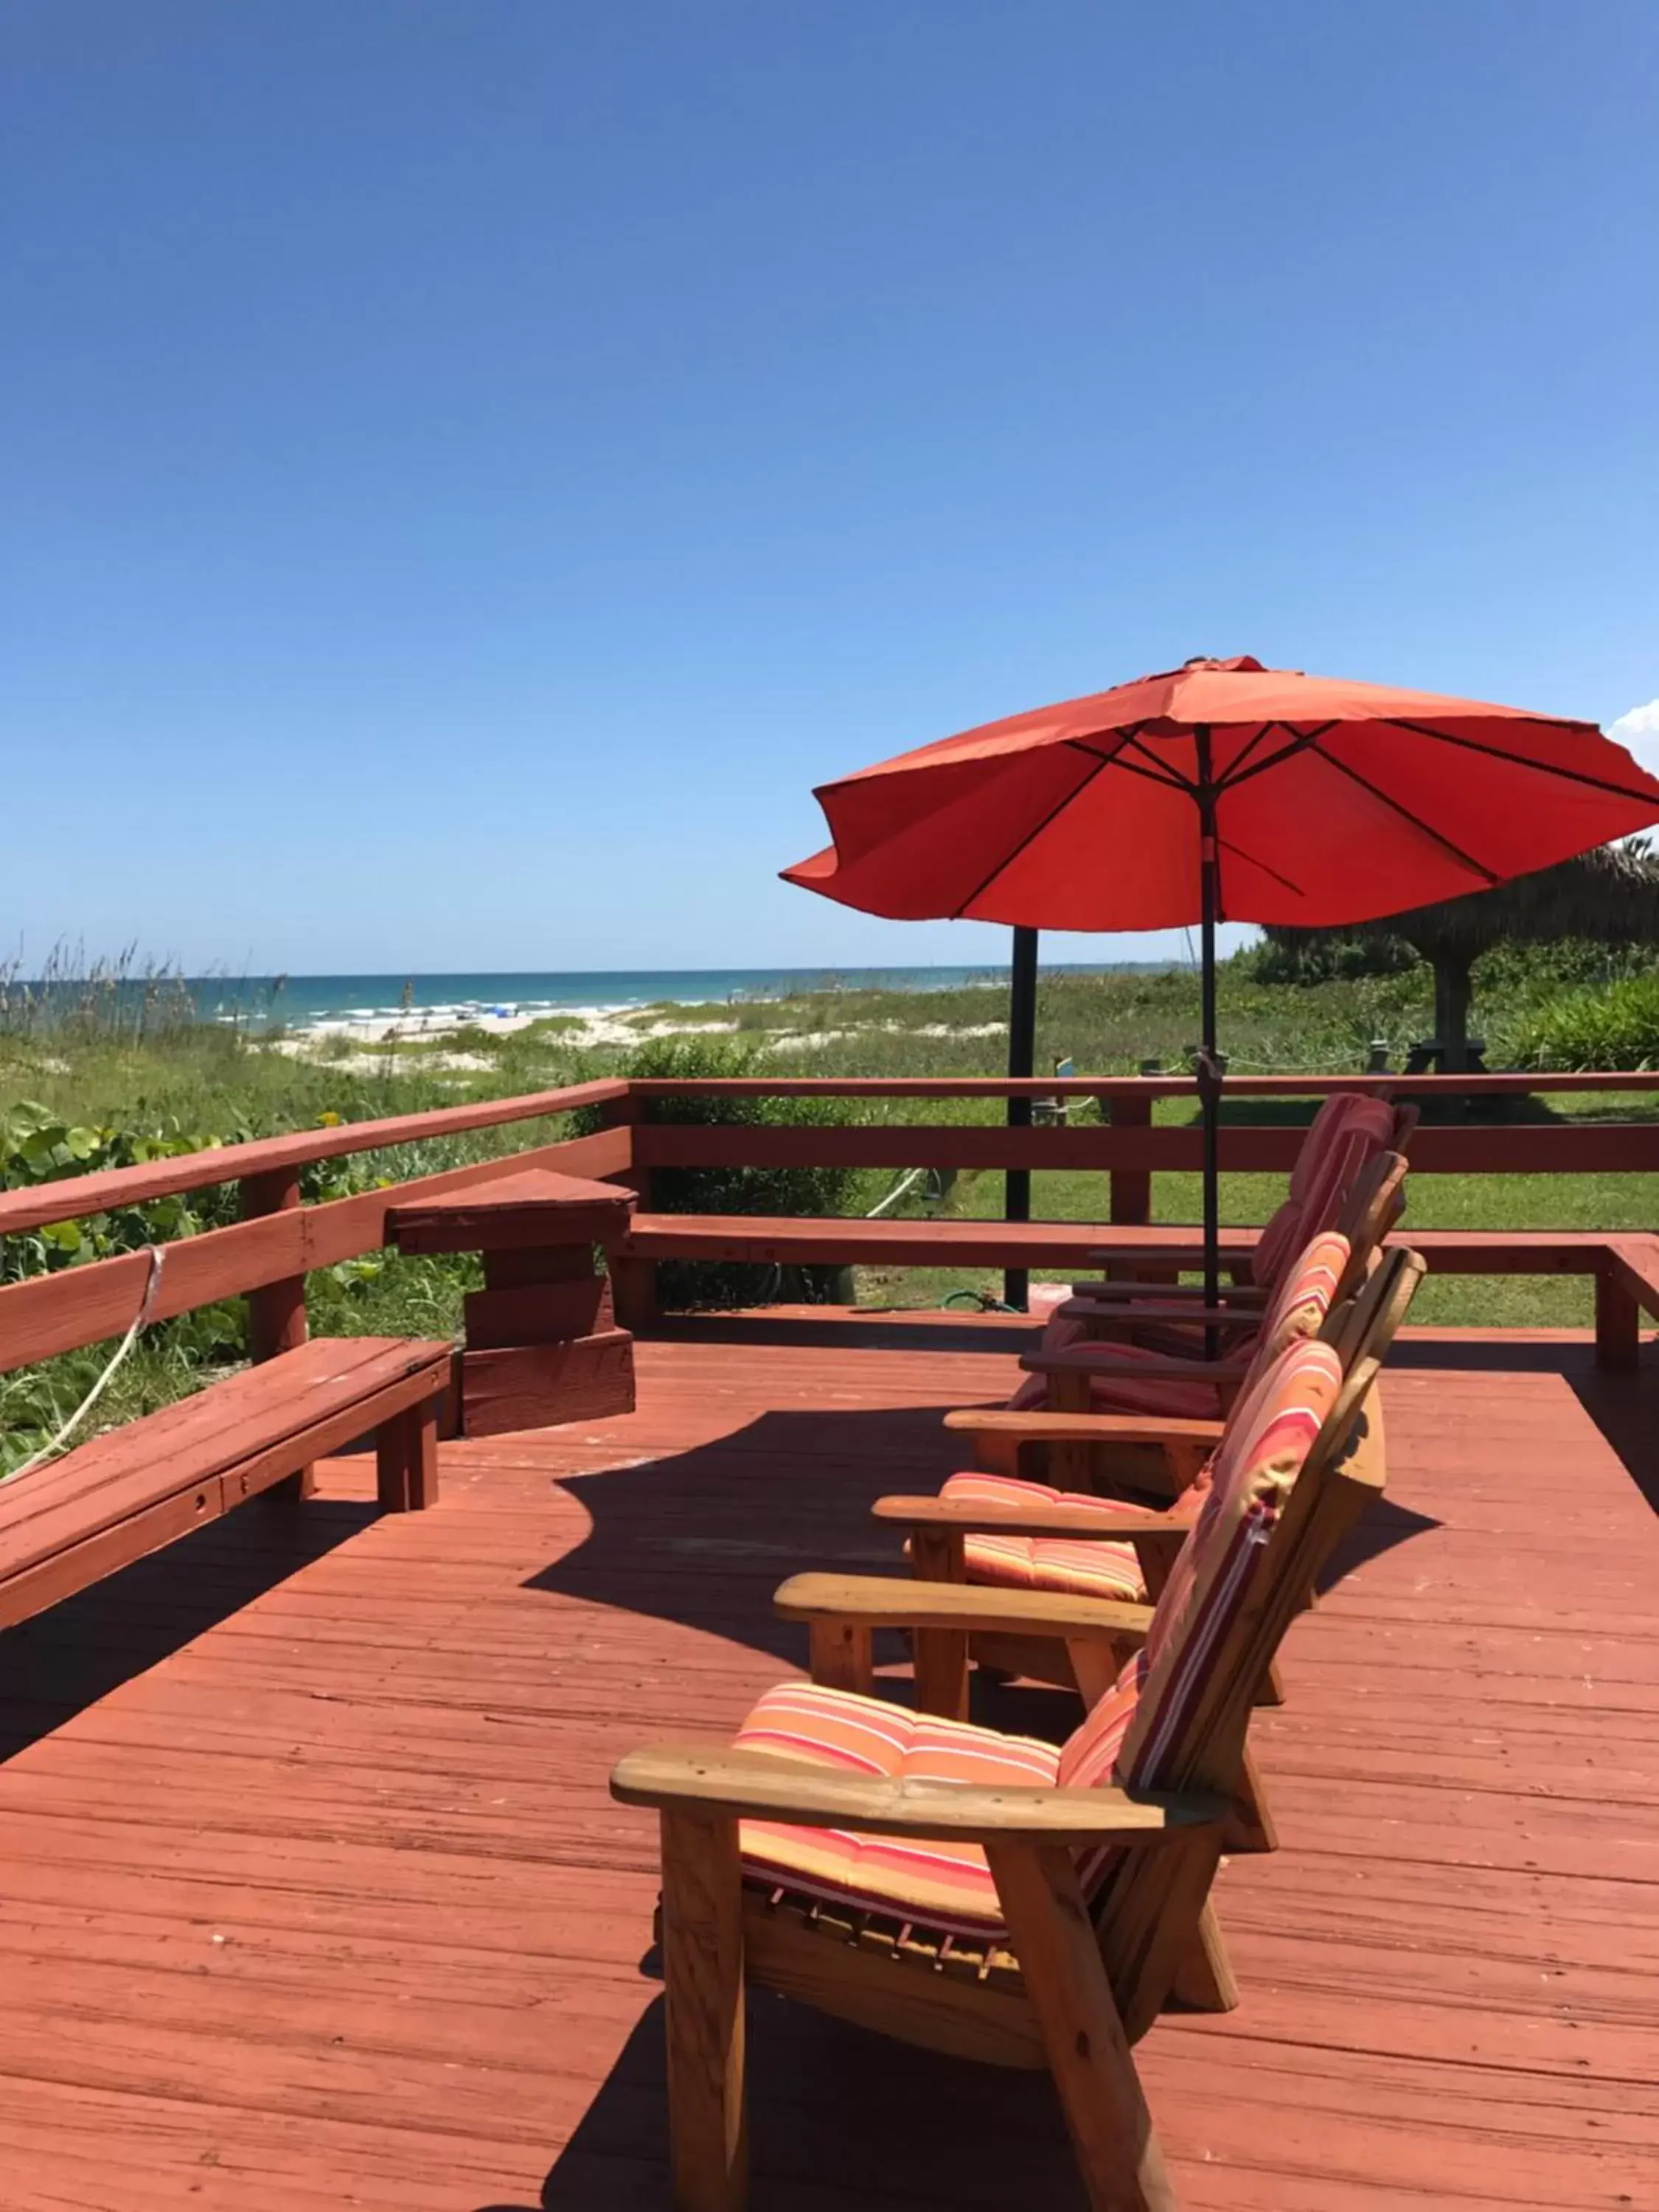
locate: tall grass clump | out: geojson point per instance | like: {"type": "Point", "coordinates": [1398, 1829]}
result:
{"type": "Point", "coordinates": [96, 999]}
{"type": "Point", "coordinates": [1615, 1027]}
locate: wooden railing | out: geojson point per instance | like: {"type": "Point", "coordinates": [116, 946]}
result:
{"type": "Point", "coordinates": [267, 1255]}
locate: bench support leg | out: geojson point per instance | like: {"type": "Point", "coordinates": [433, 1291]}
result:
{"type": "Point", "coordinates": [406, 1460]}
{"type": "Point", "coordinates": [1618, 1323]}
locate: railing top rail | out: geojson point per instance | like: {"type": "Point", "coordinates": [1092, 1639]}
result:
{"type": "Point", "coordinates": [1129, 1086]}
{"type": "Point", "coordinates": [76, 1196]}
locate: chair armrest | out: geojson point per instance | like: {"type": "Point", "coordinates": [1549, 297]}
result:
{"type": "Point", "coordinates": [1039, 1426]}
{"type": "Point", "coordinates": [1100, 1359]}
{"type": "Point", "coordinates": [759, 1786]}
{"type": "Point", "coordinates": [1156, 1251]}
{"type": "Point", "coordinates": [972, 1517]}
{"type": "Point", "coordinates": [1245, 1296]}
{"type": "Point", "coordinates": [1146, 1319]}
{"type": "Point", "coordinates": [1134, 1314]}
{"type": "Point", "coordinates": [896, 1602]}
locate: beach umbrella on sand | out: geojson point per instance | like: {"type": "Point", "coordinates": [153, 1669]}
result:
{"type": "Point", "coordinates": [1222, 791]}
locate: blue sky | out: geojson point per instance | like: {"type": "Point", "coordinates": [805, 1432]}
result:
{"type": "Point", "coordinates": [469, 467]}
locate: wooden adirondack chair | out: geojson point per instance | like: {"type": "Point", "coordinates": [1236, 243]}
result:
{"type": "Point", "coordinates": [1155, 1442]}
{"type": "Point", "coordinates": [1174, 1316]}
{"type": "Point", "coordinates": [1042, 1913]}
{"type": "Point", "coordinates": [998, 1531]}
{"type": "Point", "coordinates": [1117, 1509]}
{"type": "Point", "coordinates": [1179, 1356]}
{"type": "Point", "coordinates": [1349, 1127]}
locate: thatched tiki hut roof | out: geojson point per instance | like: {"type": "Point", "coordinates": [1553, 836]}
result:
{"type": "Point", "coordinates": [1610, 895]}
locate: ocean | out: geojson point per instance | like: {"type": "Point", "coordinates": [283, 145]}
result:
{"type": "Point", "coordinates": [300, 1002]}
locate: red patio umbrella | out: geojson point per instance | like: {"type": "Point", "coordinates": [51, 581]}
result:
{"type": "Point", "coordinates": [1223, 791]}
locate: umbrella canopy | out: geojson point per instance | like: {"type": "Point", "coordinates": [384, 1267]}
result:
{"type": "Point", "coordinates": [1334, 802]}
{"type": "Point", "coordinates": [1223, 790]}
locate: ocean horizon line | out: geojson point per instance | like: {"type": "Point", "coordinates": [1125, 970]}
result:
{"type": "Point", "coordinates": [297, 1000]}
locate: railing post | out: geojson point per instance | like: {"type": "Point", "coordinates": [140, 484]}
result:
{"type": "Point", "coordinates": [1131, 1188]}
{"type": "Point", "coordinates": [276, 1311]}
{"type": "Point", "coordinates": [1022, 1036]}
{"type": "Point", "coordinates": [632, 1282]}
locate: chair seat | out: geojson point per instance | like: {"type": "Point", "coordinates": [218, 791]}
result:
{"type": "Point", "coordinates": [947, 1886]}
{"type": "Point", "coordinates": [1080, 1567]}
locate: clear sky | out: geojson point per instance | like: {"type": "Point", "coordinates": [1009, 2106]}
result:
{"type": "Point", "coordinates": [467, 467]}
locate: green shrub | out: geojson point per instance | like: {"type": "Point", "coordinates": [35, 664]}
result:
{"type": "Point", "coordinates": [1615, 1027]}
{"type": "Point", "coordinates": [1525, 971]}
{"type": "Point", "coordinates": [38, 1146]}
{"type": "Point", "coordinates": [1311, 956]}
{"type": "Point", "coordinates": [687, 1284]}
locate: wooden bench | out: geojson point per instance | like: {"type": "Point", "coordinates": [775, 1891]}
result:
{"type": "Point", "coordinates": [70, 1524]}
{"type": "Point", "coordinates": [1625, 1265]}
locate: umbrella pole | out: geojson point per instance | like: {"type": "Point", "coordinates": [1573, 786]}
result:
{"type": "Point", "coordinates": [1022, 1051]}
{"type": "Point", "coordinates": [1209, 1068]}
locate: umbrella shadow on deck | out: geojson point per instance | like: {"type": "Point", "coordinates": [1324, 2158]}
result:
{"type": "Point", "coordinates": [704, 1537]}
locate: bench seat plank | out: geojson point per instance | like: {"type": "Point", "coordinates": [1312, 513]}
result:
{"type": "Point", "coordinates": [958, 1242]}
{"type": "Point", "coordinates": [253, 1428]}
{"type": "Point", "coordinates": [790, 1238]}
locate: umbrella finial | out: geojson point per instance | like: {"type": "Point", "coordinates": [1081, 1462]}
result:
{"type": "Point", "coordinates": [1244, 663]}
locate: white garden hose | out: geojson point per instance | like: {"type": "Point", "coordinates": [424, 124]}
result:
{"type": "Point", "coordinates": [50, 1450]}
{"type": "Point", "coordinates": [905, 1183]}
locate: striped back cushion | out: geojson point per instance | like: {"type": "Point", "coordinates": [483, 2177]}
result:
{"type": "Point", "coordinates": [1294, 1222]}
{"type": "Point", "coordinates": [1132, 1731]}
{"type": "Point", "coordinates": [1302, 1299]}
{"type": "Point", "coordinates": [1277, 1243]}
{"type": "Point", "coordinates": [1365, 1131]}
{"type": "Point", "coordinates": [1321, 1131]}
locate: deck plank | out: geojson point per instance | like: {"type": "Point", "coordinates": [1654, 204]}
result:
{"type": "Point", "coordinates": [312, 1893]}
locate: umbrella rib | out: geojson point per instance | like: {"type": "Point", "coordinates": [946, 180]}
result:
{"type": "Point", "coordinates": [1299, 744]}
{"type": "Point", "coordinates": [1160, 771]}
{"type": "Point", "coordinates": [1464, 860]}
{"type": "Point", "coordinates": [1239, 759]}
{"type": "Point", "coordinates": [1101, 760]}
{"type": "Point", "coordinates": [1515, 760]}
{"type": "Point", "coordinates": [1266, 866]}
{"type": "Point", "coordinates": [1153, 775]}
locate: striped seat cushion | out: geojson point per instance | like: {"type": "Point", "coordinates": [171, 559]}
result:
{"type": "Point", "coordinates": [946, 1885]}
{"type": "Point", "coordinates": [1082, 1566]}
{"type": "Point", "coordinates": [1158, 1394]}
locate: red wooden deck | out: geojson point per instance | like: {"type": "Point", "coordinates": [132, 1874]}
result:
{"type": "Point", "coordinates": [312, 1896]}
